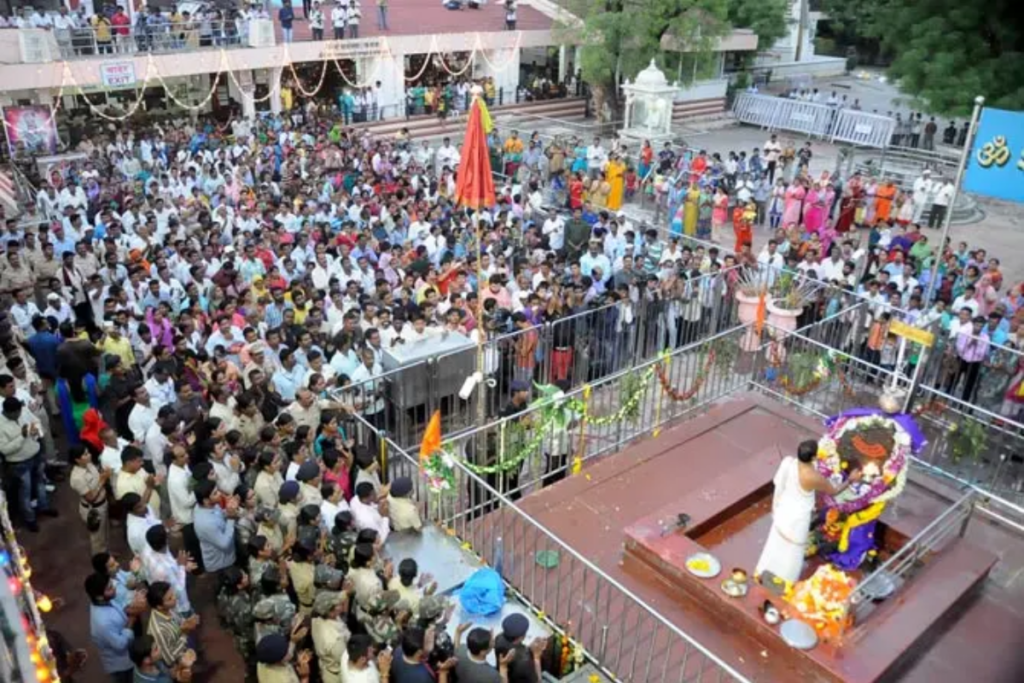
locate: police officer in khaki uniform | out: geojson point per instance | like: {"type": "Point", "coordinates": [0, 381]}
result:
{"type": "Point", "coordinates": [91, 486]}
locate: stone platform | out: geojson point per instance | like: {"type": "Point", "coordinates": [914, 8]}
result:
{"type": "Point", "coordinates": [977, 640]}
{"type": "Point", "coordinates": [730, 518]}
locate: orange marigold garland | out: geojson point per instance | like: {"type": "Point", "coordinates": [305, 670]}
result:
{"type": "Point", "coordinates": [698, 381]}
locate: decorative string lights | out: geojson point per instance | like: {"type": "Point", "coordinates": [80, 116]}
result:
{"type": "Point", "coordinates": [29, 654]}
{"type": "Point", "coordinates": [153, 77]}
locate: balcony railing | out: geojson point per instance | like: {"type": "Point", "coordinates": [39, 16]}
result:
{"type": "Point", "coordinates": [90, 41]}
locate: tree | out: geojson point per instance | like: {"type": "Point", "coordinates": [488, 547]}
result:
{"type": "Point", "coordinates": [945, 52]}
{"type": "Point", "coordinates": [767, 18]}
{"type": "Point", "coordinates": [620, 37]}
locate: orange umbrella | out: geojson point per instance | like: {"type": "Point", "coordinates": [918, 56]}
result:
{"type": "Point", "coordinates": [475, 185]}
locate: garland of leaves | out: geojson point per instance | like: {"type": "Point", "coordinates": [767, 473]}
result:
{"type": "Point", "coordinates": [630, 403]}
{"type": "Point", "coordinates": [824, 368]}
{"type": "Point", "coordinates": [439, 468]}
{"type": "Point", "coordinates": [521, 454]}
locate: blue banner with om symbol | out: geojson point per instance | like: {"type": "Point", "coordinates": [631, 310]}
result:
{"type": "Point", "coordinates": [996, 165]}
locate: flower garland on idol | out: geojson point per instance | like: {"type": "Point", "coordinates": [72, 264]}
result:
{"type": "Point", "coordinates": [884, 477]}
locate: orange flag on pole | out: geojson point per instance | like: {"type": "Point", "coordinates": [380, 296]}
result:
{"type": "Point", "coordinates": [432, 437]}
{"type": "Point", "coordinates": [762, 313]}
{"type": "Point", "coordinates": [474, 187]}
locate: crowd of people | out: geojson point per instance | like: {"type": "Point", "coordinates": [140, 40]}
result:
{"type": "Point", "coordinates": [866, 237]}
{"type": "Point", "coordinates": [109, 28]}
{"type": "Point", "coordinates": [211, 307]}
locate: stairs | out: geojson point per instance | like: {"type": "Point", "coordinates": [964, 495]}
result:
{"type": "Point", "coordinates": [428, 127]}
{"type": "Point", "coordinates": [686, 112]}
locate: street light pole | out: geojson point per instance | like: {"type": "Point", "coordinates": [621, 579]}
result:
{"type": "Point", "coordinates": [947, 222]}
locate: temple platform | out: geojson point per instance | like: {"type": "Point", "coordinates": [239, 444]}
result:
{"type": "Point", "coordinates": [730, 519]}
{"type": "Point", "coordinates": [950, 623]}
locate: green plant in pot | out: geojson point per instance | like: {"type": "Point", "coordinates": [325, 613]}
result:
{"type": "Point", "coordinates": [967, 440]}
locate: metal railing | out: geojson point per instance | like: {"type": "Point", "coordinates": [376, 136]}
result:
{"type": "Point", "coordinates": [814, 120]}
{"type": "Point", "coordinates": [89, 41]}
{"type": "Point", "coordinates": [967, 443]}
{"type": "Point", "coordinates": [894, 573]}
{"type": "Point", "coordinates": [585, 346]}
{"type": "Point", "coordinates": [620, 633]}
{"type": "Point", "coordinates": [701, 373]}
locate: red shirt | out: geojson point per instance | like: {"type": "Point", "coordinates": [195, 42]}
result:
{"type": "Point", "coordinates": [120, 22]}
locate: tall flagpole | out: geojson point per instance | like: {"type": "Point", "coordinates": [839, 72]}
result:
{"type": "Point", "coordinates": [947, 222]}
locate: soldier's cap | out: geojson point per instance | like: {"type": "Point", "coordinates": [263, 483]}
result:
{"type": "Point", "coordinates": [432, 607]}
{"type": "Point", "coordinates": [307, 471]}
{"type": "Point", "coordinates": [382, 629]}
{"type": "Point", "coordinates": [326, 601]}
{"type": "Point", "coordinates": [264, 610]}
{"type": "Point", "coordinates": [272, 648]}
{"type": "Point", "coordinates": [401, 487]}
{"type": "Point", "coordinates": [382, 602]}
{"type": "Point", "coordinates": [289, 491]}
{"type": "Point", "coordinates": [515, 626]}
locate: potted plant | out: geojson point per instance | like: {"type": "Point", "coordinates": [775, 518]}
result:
{"type": "Point", "coordinates": [788, 300]}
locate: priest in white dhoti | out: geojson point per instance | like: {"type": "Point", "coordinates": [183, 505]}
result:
{"type": "Point", "coordinates": [796, 483]}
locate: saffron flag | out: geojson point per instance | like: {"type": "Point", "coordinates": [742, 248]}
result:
{"type": "Point", "coordinates": [762, 313]}
{"type": "Point", "coordinates": [432, 437]}
{"type": "Point", "coordinates": [474, 188]}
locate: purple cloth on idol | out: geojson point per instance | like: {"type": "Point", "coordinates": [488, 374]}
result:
{"type": "Point", "coordinates": [861, 540]}
{"type": "Point", "coordinates": [917, 437]}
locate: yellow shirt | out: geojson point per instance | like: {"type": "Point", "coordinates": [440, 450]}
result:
{"type": "Point", "coordinates": [302, 575]}
{"type": "Point", "coordinates": [276, 673]}
{"type": "Point", "coordinates": [135, 482]}
{"type": "Point", "coordinates": [330, 638]}
{"type": "Point", "coordinates": [404, 514]}
{"type": "Point", "coordinates": [410, 595]}
{"type": "Point", "coordinates": [514, 146]}
{"type": "Point", "coordinates": [122, 348]}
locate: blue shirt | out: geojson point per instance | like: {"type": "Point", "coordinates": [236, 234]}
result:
{"type": "Point", "coordinates": [111, 635]}
{"type": "Point", "coordinates": [216, 537]}
{"type": "Point", "coordinates": [286, 15]}
{"type": "Point", "coordinates": [287, 382]}
{"type": "Point", "coordinates": [43, 347]}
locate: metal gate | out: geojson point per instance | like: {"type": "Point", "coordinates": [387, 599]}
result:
{"type": "Point", "coordinates": [813, 119]}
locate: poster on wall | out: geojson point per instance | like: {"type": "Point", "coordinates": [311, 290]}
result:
{"type": "Point", "coordinates": [31, 128]}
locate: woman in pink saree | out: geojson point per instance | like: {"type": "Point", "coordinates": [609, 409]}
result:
{"type": "Point", "coordinates": [794, 203]}
{"type": "Point", "coordinates": [814, 209]}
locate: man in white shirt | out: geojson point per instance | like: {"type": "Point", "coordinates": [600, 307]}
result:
{"type": "Point", "coordinates": [924, 187]}
{"type": "Point", "coordinates": [142, 414]}
{"type": "Point", "coordinates": [554, 230]}
{"type": "Point", "coordinates": [370, 510]}
{"type": "Point", "coordinates": [447, 156]}
{"type": "Point", "coordinates": [597, 157]}
{"type": "Point", "coordinates": [138, 521]}
{"type": "Point", "coordinates": [943, 197]}
{"type": "Point", "coordinates": [772, 151]}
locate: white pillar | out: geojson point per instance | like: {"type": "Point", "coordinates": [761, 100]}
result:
{"type": "Point", "coordinates": [248, 104]}
{"type": "Point", "coordinates": [563, 63]}
{"type": "Point", "coordinates": [275, 89]}
{"type": "Point", "coordinates": [505, 72]}
{"type": "Point", "coordinates": [390, 72]}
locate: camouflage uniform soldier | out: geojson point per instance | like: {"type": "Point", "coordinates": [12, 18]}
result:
{"type": "Point", "coordinates": [274, 611]}
{"type": "Point", "coordinates": [261, 556]}
{"type": "Point", "coordinates": [342, 539]}
{"type": "Point", "coordinates": [378, 620]}
{"type": "Point", "coordinates": [234, 605]}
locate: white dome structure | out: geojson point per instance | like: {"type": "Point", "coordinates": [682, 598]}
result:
{"type": "Point", "coordinates": [651, 77]}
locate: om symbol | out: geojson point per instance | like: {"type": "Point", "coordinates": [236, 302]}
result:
{"type": "Point", "coordinates": [994, 153]}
